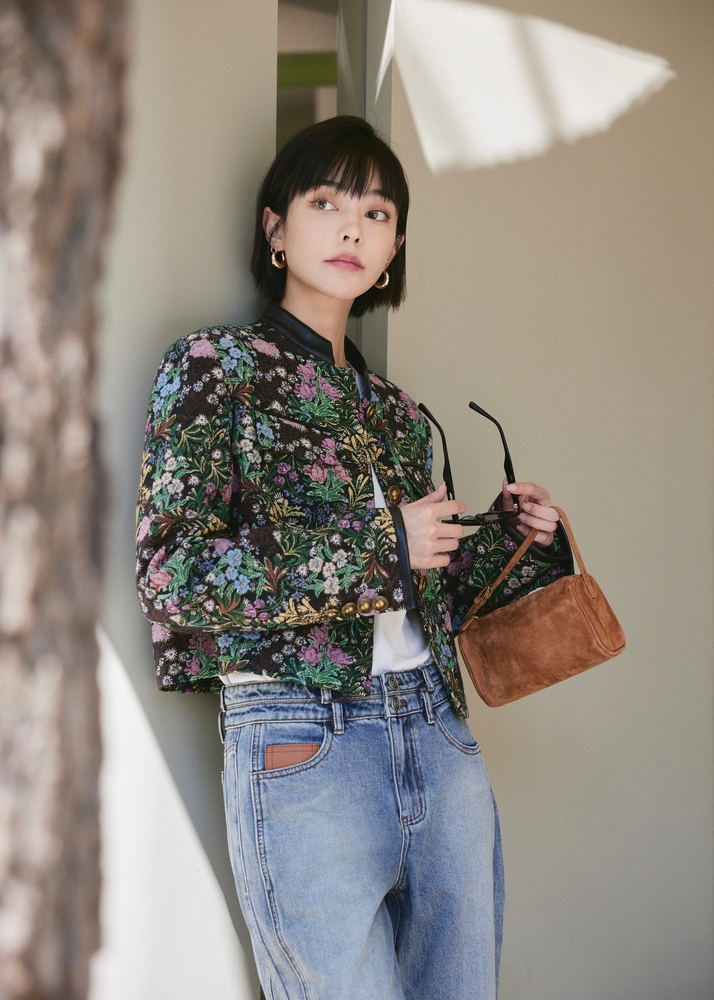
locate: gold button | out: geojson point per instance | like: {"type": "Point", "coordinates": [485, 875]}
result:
{"type": "Point", "coordinates": [349, 609]}
{"type": "Point", "coordinates": [370, 412]}
{"type": "Point", "coordinates": [332, 612]}
{"type": "Point", "coordinates": [394, 494]}
{"type": "Point", "coordinates": [422, 584]}
{"type": "Point", "coordinates": [380, 603]}
{"type": "Point", "coordinates": [393, 682]}
{"type": "Point", "coordinates": [364, 605]}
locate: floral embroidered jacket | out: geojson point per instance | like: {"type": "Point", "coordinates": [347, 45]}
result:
{"type": "Point", "coordinates": [259, 545]}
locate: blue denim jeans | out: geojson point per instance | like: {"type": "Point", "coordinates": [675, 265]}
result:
{"type": "Point", "coordinates": [373, 869]}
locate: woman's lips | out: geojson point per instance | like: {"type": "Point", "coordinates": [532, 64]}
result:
{"type": "Point", "coordinates": [346, 262]}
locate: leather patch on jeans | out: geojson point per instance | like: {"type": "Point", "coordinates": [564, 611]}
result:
{"type": "Point", "coordinates": [286, 754]}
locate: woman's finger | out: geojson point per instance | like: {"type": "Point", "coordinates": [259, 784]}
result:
{"type": "Point", "coordinates": [531, 490]}
{"type": "Point", "coordinates": [539, 510]}
{"type": "Point", "coordinates": [536, 522]}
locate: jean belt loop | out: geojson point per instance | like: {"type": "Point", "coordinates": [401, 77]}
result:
{"type": "Point", "coordinates": [338, 718]}
{"type": "Point", "coordinates": [427, 679]}
{"type": "Point", "coordinates": [428, 706]}
{"type": "Point", "coordinates": [325, 696]}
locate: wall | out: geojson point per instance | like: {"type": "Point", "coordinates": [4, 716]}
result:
{"type": "Point", "coordinates": [201, 132]}
{"type": "Point", "coordinates": [571, 296]}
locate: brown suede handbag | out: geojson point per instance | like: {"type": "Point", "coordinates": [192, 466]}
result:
{"type": "Point", "coordinates": [549, 635]}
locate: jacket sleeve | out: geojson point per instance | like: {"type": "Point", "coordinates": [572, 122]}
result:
{"type": "Point", "coordinates": [482, 556]}
{"type": "Point", "coordinates": [202, 562]}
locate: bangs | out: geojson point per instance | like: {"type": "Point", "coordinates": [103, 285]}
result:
{"type": "Point", "coordinates": [354, 171]}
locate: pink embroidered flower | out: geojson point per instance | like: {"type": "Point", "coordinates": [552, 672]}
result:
{"type": "Point", "coordinates": [193, 666]}
{"type": "Point", "coordinates": [221, 545]}
{"type": "Point", "coordinates": [328, 389]}
{"type": "Point", "coordinates": [202, 349]}
{"type": "Point", "coordinates": [160, 579]}
{"type": "Point", "coordinates": [316, 472]}
{"type": "Point", "coordinates": [330, 456]}
{"type": "Point", "coordinates": [338, 657]}
{"type": "Point", "coordinates": [265, 348]}
{"type": "Point", "coordinates": [319, 634]}
{"type": "Point", "coordinates": [211, 489]}
{"type": "Point", "coordinates": [207, 644]}
{"type": "Point", "coordinates": [283, 468]}
{"type": "Point", "coordinates": [376, 379]}
{"type": "Point", "coordinates": [311, 655]}
{"type": "Point", "coordinates": [144, 528]}
{"type": "Point", "coordinates": [226, 492]}
{"type": "Point", "coordinates": [412, 411]}
{"type": "Point", "coordinates": [305, 391]}
{"type": "Point", "coordinates": [307, 371]}
{"type": "Point", "coordinates": [157, 558]}
{"type": "Point", "coordinates": [342, 474]}
{"type": "Point", "coordinates": [159, 632]}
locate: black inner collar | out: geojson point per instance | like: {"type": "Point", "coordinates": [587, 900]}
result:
{"type": "Point", "coordinates": [305, 337]}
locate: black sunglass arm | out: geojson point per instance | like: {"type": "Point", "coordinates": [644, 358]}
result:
{"type": "Point", "coordinates": [507, 463]}
{"type": "Point", "coordinates": [450, 495]}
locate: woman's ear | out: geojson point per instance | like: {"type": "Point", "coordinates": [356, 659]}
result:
{"type": "Point", "coordinates": [271, 226]}
{"type": "Point", "coordinates": [397, 244]}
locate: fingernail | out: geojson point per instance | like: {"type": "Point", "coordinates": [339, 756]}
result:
{"type": "Point", "coordinates": [526, 506]}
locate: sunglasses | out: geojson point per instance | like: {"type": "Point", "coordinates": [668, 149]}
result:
{"type": "Point", "coordinates": [490, 516]}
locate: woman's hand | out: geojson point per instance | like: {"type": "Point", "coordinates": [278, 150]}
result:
{"type": "Point", "coordinates": [429, 539]}
{"type": "Point", "coordinates": [536, 512]}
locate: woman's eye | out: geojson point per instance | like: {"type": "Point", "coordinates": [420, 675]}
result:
{"type": "Point", "coordinates": [378, 215]}
{"type": "Point", "coordinates": [323, 203]}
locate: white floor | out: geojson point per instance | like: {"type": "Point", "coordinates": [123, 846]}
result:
{"type": "Point", "coordinates": [166, 930]}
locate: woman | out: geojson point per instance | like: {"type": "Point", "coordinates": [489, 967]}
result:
{"type": "Point", "coordinates": [294, 555]}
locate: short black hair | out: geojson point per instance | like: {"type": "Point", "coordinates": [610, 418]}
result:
{"type": "Point", "coordinates": [346, 150]}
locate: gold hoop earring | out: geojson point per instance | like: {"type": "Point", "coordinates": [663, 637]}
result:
{"type": "Point", "coordinates": [383, 280]}
{"type": "Point", "coordinates": [280, 264]}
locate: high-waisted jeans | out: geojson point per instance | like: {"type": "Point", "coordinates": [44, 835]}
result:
{"type": "Point", "coordinates": [373, 869]}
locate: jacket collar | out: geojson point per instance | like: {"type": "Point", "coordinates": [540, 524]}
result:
{"type": "Point", "coordinates": [305, 337]}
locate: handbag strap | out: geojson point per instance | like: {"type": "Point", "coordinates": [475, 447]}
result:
{"type": "Point", "coordinates": [485, 594]}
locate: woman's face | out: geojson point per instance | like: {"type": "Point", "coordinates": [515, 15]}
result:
{"type": "Point", "coordinates": [337, 243]}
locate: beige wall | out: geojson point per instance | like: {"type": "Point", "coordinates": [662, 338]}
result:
{"type": "Point", "coordinates": [572, 297]}
{"type": "Point", "coordinates": [201, 132]}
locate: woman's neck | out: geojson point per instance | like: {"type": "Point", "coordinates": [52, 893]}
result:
{"type": "Point", "coordinates": [324, 315]}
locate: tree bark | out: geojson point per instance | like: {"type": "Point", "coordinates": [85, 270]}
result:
{"type": "Point", "coordinates": [61, 66]}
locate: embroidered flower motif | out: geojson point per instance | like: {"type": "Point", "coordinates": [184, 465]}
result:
{"type": "Point", "coordinates": [202, 349]}
{"type": "Point", "coordinates": [306, 391]}
{"type": "Point", "coordinates": [265, 348]}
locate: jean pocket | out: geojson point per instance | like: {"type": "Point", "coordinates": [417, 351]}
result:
{"type": "Point", "coordinates": [455, 730]}
{"type": "Point", "coordinates": [284, 747]}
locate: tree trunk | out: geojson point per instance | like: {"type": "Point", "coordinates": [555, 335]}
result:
{"type": "Point", "coordinates": [61, 64]}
